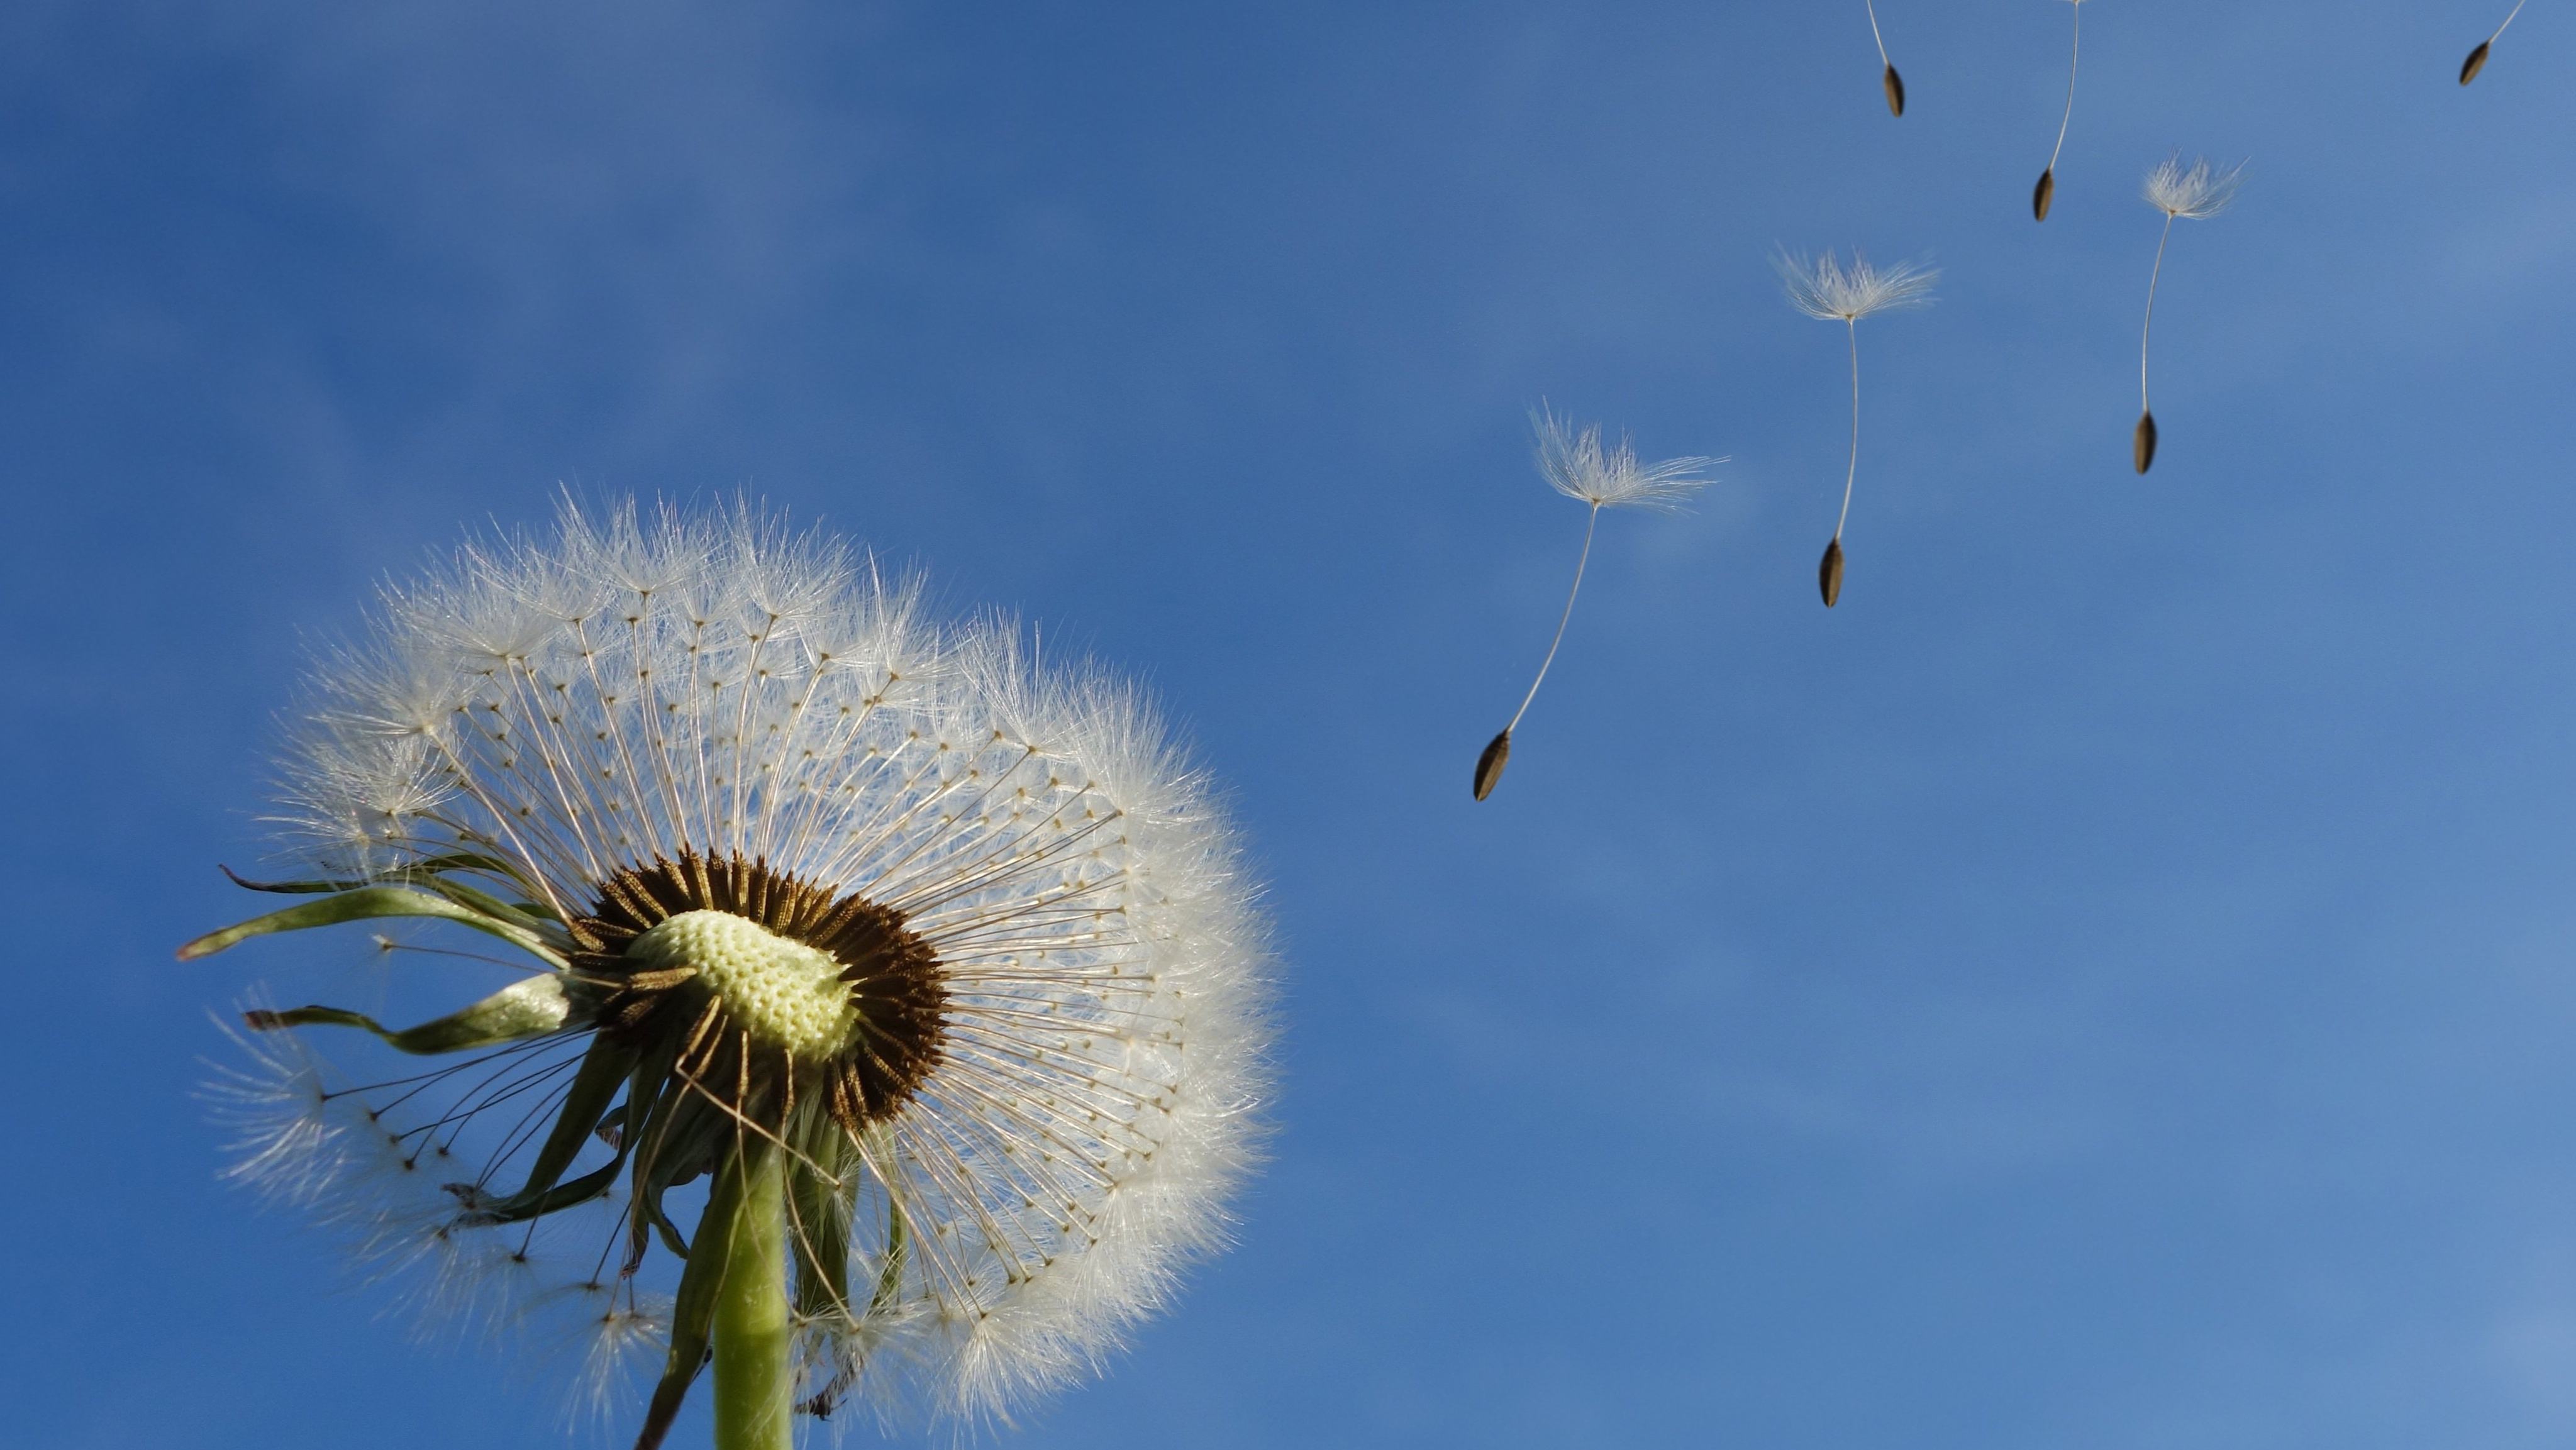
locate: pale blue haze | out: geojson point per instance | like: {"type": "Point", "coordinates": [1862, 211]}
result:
{"type": "Point", "coordinates": [2111, 983]}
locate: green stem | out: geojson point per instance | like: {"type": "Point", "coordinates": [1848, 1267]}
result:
{"type": "Point", "coordinates": [754, 1341]}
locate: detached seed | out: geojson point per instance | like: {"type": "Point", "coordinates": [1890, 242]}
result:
{"type": "Point", "coordinates": [1489, 766]}
{"type": "Point", "coordinates": [1896, 91]}
{"type": "Point", "coordinates": [1829, 574]}
{"type": "Point", "coordinates": [2143, 446]}
{"type": "Point", "coordinates": [2476, 62]}
{"type": "Point", "coordinates": [2043, 194]}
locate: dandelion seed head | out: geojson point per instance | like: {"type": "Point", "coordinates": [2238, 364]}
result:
{"type": "Point", "coordinates": [1822, 287]}
{"type": "Point", "coordinates": [1577, 464]}
{"type": "Point", "coordinates": [966, 935]}
{"type": "Point", "coordinates": [2194, 193]}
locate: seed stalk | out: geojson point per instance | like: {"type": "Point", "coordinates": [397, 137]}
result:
{"type": "Point", "coordinates": [755, 1359]}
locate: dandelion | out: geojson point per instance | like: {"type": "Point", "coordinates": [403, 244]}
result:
{"type": "Point", "coordinates": [2477, 60]}
{"type": "Point", "coordinates": [1893, 83]}
{"type": "Point", "coordinates": [1823, 288]}
{"type": "Point", "coordinates": [1577, 465]}
{"type": "Point", "coordinates": [2198, 193]}
{"type": "Point", "coordinates": [2046, 192]}
{"type": "Point", "coordinates": [936, 965]}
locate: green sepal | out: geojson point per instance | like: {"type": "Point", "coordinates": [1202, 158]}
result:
{"type": "Point", "coordinates": [648, 1103]}
{"type": "Point", "coordinates": [520, 1207]}
{"type": "Point", "coordinates": [889, 1290]}
{"type": "Point", "coordinates": [695, 1133]}
{"type": "Point", "coordinates": [490, 905]}
{"type": "Point", "coordinates": [523, 1009]}
{"type": "Point", "coordinates": [681, 1134]}
{"type": "Point", "coordinates": [898, 1248]}
{"type": "Point", "coordinates": [365, 903]}
{"type": "Point", "coordinates": [418, 871]}
{"type": "Point", "coordinates": [586, 1105]}
{"type": "Point", "coordinates": [431, 873]}
{"type": "Point", "coordinates": [693, 1311]}
{"type": "Point", "coordinates": [818, 1221]}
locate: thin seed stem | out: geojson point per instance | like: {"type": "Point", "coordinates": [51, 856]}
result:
{"type": "Point", "coordinates": [2508, 20]}
{"type": "Point", "coordinates": [2073, 51]}
{"type": "Point", "coordinates": [1882, 42]}
{"type": "Point", "coordinates": [2146, 330]}
{"type": "Point", "coordinates": [1588, 526]}
{"type": "Point", "coordinates": [1853, 471]}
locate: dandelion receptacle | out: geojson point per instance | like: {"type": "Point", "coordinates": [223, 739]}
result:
{"type": "Point", "coordinates": [934, 968]}
{"type": "Point", "coordinates": [1577, 465]}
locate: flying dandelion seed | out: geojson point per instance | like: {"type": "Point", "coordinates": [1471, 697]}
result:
{"type": "Point", "coordinates": [2198, 194]}
{"type": "Point", "coordinates": [1823, 288]}
{"type": "Point", "coordinates": [2046, 192]}
{"type": "Point", "coordinates": [2477, 60]}
{"type": "Point", "coordinates": [1889, 80]}
{"type": "Point", "coordinates": [936, 964]}
{"type": "Point", "coordinates": [1576, 465]}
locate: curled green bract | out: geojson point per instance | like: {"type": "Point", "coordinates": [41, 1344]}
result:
{"type": "Point", "coordinates": [475, 909]}
{"type": "Point", "coordinates": [518, 1011]}
{"type": "Point", "coordinates": [427, 869]}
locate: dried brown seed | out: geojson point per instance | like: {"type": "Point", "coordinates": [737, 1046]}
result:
{"type": "Point", "coordinates": [2476, 62]}
{"type": "Point", "coordinates": [1829, 574]}
{"type": "Point", "coordinates": [2043, 194]}
{"type": "Point", "coordinates": [661, 981]}
{"type": "Point", "coordinates": [1895, 92]}
{"type": "Point", "coordinates": [1489, 766]}
{"type": "Point", "coordinates": [2143, 446]}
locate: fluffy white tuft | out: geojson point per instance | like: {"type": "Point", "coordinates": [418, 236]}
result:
{"type": "Point", "coordinates": [1577, 465]}
{"type": "Point", "coordinates": [1822, 287]}
{"type": "Point", "coordinates": [634, 684]}
{"type": "Point", "coordinates": [2194, 193]}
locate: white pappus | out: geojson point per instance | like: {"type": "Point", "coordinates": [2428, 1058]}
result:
{"type": "Point", "coordinates": [938, 966]}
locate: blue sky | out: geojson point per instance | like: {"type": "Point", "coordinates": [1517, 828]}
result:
{"type": "Point", "coordinates": [2107, 983]}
